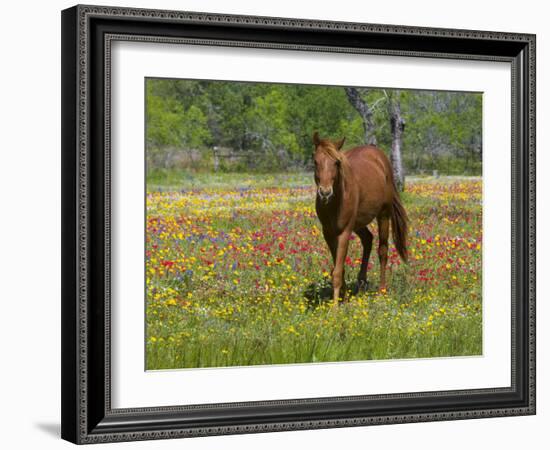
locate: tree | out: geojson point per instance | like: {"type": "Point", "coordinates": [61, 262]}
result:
{"type": "Point", "coordinates": [397, 127]}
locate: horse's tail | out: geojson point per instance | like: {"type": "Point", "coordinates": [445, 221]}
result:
{"type": "Point", "coordinates": [399, 225]}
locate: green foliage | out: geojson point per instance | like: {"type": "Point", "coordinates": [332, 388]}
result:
{"type": "Point", "coordinates": [443, 132]}
{"type": "Point", "coordinates": [238, 126]}
{"type": "Point", "coordinates": [170, 124]}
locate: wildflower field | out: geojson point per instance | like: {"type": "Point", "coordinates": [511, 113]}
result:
{"type": "Point", "coordinates": [237, 274]}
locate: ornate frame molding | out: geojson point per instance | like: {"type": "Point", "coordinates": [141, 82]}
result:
{"type": "Point", "coordinates": [80, 418]}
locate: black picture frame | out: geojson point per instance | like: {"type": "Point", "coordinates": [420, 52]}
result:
{"type": "Point", "coordinates": [87, 32]}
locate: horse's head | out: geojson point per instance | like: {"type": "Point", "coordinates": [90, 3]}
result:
{"type": "Point", "coordinates": [327, 159]}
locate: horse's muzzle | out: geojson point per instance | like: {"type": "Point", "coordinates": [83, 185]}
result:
{"type": "Point", "coordinates": [325, 193]}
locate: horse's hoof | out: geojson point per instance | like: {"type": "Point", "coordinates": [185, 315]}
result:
{"type": "Point", "coordinates": [361, 286]}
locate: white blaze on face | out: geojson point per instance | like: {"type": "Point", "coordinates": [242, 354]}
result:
{"type": "Point", "coordinates": [325, 191]}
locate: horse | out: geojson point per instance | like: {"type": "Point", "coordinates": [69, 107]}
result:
{"type": "Point", "coordinates": [354, 187]}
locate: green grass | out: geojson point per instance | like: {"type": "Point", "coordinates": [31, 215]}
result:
{"type": "Point", "coordinates": [237, 274]}
{"type": "Point", "coordinates": [171, 179]}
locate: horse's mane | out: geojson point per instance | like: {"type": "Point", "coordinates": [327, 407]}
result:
{"type": "Point", "coordinates": [330, 149]}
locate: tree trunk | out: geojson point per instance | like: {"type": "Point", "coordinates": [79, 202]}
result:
{"type": "Point", "coordinates": [397, 125]}
{"type": "Point", "coordinates": [364, 110]}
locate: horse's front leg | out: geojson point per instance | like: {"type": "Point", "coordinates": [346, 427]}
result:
{"type": "Point", "coordinates": [342, 242]}
{"type": "Point", "coordinates": [332, 243]}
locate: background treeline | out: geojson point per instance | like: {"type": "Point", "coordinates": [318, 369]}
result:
{"type": "Point", "coordinates": [238, 126]}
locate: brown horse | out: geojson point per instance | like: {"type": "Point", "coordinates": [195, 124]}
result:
{"type": "Point", "coordinates": [354, 188]}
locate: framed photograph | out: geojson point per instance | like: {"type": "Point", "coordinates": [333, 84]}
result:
{"type": "Point", "coordinates": [279, 224]}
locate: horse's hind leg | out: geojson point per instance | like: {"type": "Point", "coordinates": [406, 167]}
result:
{"type": "Point", "coordinates": [366, 240]}
{"type": "Point", "coordinates": [383, 235]}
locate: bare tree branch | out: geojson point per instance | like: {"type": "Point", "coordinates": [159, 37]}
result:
{"type": "Point", "coordinates": [362, 107]}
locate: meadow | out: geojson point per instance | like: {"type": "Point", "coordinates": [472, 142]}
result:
{"type": "Point", "coordinates": [237, 274]}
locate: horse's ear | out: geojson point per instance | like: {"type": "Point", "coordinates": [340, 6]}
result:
{"type": "Point", "coordinates": [316, 139]}
{"type": "Point", "coordinates": [339, 144]}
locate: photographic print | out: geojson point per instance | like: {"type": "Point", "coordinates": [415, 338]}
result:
{"type": "Point", "coordinates": [291, 223]}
